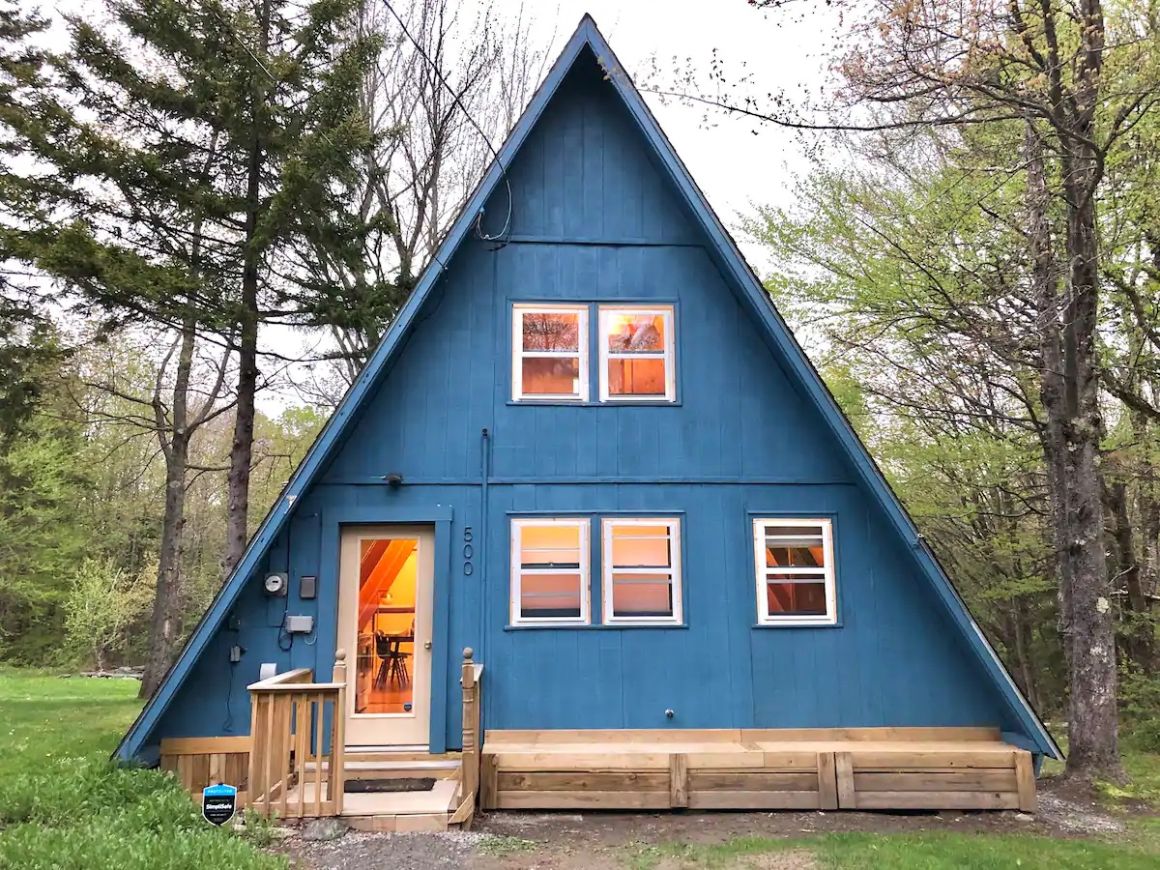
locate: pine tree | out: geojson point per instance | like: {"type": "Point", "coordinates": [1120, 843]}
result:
{"type": "Point", "coordinates": [183, 148]}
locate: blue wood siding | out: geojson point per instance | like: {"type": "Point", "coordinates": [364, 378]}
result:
{"type": "Point", "coordinates": [594, 219]}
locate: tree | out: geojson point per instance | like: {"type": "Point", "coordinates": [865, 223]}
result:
{"type": "Point", "coordinates": [235, 133]}
{"type": "Point", "coordinates": [296, 132]}
{"type": "Point", "coordinates": [41, 484]}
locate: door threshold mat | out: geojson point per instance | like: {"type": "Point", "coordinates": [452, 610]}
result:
{"type": "Point", "coordinates": [382, 786]}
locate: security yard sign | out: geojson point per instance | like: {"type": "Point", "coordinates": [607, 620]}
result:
{"type": "Point", "coordinates": [218, 803]}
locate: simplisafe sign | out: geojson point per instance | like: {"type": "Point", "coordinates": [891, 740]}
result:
{"type": "Point", "coordinates": [218, 803]}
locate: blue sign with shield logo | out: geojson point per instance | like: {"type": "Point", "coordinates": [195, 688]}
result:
{"type": "Point", "coordinates": [218, 803]}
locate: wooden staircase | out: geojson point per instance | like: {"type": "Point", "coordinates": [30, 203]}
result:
{"type": "Point", "coordinates": [299, 767]}
{"type": "Point", "coordinates": [403, 810]}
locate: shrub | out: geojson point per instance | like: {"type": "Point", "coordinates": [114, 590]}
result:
{"type": "Point", "coordinates": [69, 789]}
{"type": "Point", "coordinates": [91, 813]}
{"type": "Point", "coordinates": [102, 603]}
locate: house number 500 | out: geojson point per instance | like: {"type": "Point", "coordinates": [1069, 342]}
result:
{"type": "Point", "coordinates": [468, 551]}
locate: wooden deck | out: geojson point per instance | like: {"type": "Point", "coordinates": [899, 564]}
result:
{"type": "Point", "coordinates": [827, 769]}
{"type": "Point", "coordinates": [286, 774]}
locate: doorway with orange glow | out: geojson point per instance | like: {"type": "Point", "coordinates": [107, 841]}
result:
{"type": "Point", "coordinates": [385, 604]}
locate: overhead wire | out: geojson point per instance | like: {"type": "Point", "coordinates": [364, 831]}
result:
{"type": "Point", "coordinates": [500, 236]}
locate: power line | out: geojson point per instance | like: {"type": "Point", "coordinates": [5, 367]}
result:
{"type": "Point", "coordinates": [499, 237]}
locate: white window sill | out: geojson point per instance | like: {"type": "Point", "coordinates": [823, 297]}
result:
{"type": "Point", "coordinates": [616, 626]}
{"type": "Point", "coordinates": [800, 624]}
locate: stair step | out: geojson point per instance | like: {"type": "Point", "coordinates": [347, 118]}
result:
{"type": "Point", "coordinates": [399, 755]}
{"type": "Point", "coordinates": [409, 766]}
{"type": "Point", "coordinates": [384, 768]}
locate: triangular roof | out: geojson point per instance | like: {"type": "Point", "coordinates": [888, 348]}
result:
{"type": "Point", "coordinates": [725, 253]}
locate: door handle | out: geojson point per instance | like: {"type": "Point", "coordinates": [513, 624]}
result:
{"type": "Point", "coordinates": [427, 645]}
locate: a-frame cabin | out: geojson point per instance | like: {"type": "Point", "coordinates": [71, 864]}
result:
{"type": "Point", "coordinates": [591, 451]}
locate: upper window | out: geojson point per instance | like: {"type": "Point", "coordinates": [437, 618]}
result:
{"type": "Point", "coordinates": [636, 354]}
{"type": "Point", "coordinates": [550, 358]}
{"type": "Point", "coordinates": [795, 571]}
{"type": "Point", "coordinates": [642, 570]}
{"type": "Point", "coordinates": [550, 572]}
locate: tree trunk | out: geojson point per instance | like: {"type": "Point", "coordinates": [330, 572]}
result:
{"type": "Point", "coordinates": [1090, 637]}
{"type": "Point", "coordinates": [166, 623]}
{"type": "Point", "coordinates": [242, 448]}
{"type": "Point", "coordinates": [1069, 391]}
{"type": "Point", "coordinates": [241, 451]}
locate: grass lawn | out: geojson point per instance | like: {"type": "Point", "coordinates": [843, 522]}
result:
{"type": "Point", "coordinates": [929, 851]}
{"type": "Point", "coordinates": [64, 806]}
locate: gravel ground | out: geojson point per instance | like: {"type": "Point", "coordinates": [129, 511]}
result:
{"type": "Point", "coordinates": [359, 851]}
{"type": "Point", "coordinates": [602, 841]}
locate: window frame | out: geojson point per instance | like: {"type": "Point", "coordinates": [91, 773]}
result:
{"type": "Point", "coordinates": [608, 570]}
{"type": "Point", "coordinates": [515, 581]}
{"type": "Point", "coordinates": [668, 354]}
{"type": "Point", "coordinates": [827, 572]}
{"type": "Point", "coordinates": [518, 354]}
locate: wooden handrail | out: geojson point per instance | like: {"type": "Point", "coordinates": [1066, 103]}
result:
{"type": "Point", "coordinates": [296, 676]}
{"type": "Point", "coordinates": [293, 687]}
{"type": "Point", "coordinates": [296, 755]}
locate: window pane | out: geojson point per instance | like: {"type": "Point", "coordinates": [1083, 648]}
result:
{"type": "Point", "coordinates": [555, 330]}
{"type": "Point", "coordinates": [551, 377]}
{"type": "Point", "coordinates": [636, 377]}
{"type": "Point", "coordinates": [639, 333]}
{"type": "Point", "coordinates": [550, 545]}
{"type": "Point", "coordinates": [641, 595]}
{"type": "Point", "coordinates": [550, 595]}
{"type": "Point", "coordinates": [805, 599]}
{"type": "Point", "coordinates": [781, 556]}
{"type": "Point", "coordinates": [386, 625]}
{"type": "Point", "coordinates": [634, 546]}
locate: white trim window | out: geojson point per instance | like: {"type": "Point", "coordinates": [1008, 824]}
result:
{"type": "Point", "coordinates": [794, 562]}
{"type": "Point", "coordinates": [550, 353]}
{"type": "Point", "coordinates": [637, 357]}
{"type": "Point", "coordinates": [550, 572]}
{"type": "Point", "coordinates": [642, 571]}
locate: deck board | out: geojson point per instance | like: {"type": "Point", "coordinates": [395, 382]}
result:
{"type": "Point", "coordinates": [919, 768]}
{"type": "Point", "coordinates": [440, 799]}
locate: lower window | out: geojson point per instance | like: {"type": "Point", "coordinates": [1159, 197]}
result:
{"type": "Point", "coordinates": [642, 571]}
{"type": "Point", "coordinates": [550, 572]}
{"type": "Point", "coordinates": [794, 561]}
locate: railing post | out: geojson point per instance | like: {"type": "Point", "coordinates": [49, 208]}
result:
{"type": "Point", "coordinates": [255, 784]}
{"type": "Point", "coordinates": [471, 740]}
{"type": "Point", "coordinates": [337, 778]}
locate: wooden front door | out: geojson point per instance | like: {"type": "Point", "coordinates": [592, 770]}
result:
{"type": "Point", "coordinates": [385, 603]}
